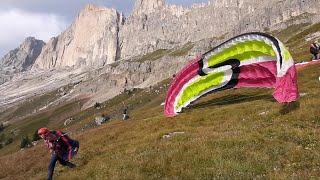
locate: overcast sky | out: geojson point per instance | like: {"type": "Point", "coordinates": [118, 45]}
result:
{"type": "Point", "coordinates": [44, 19]}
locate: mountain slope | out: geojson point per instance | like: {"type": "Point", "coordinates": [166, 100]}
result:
{"type": "Point", "coordinates": [102, 51]}
{"type": "Point", "coordinates": [241, 133]}
{"type": "Point", "coordinates": [238, 133]}
{"type": "Point", "coordinates": [20, 59]}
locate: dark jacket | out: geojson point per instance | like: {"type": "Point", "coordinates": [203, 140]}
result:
{"type": "Point", "coordinates": [314, 48]}
{"type": "Point", "coordinates": [60, 144]}
{"type": "Point", "coordinates": [125, 111]}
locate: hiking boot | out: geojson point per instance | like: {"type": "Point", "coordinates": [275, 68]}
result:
{"type": "Point", "coordinates": [71, 165]}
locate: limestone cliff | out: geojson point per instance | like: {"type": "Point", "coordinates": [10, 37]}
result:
{"type": "Point", "coordinates": [92, 40]}
{"type": "Point", "coordinates": [168, 26]}
{"type": "Point", "coordinates": [102, 36]}
{"type": "Point", "coordinates": [20, 59]}
{"type": "Point", "coordinates": [23, 57]}
{"type": "Point", "coordinates": [148, 6]}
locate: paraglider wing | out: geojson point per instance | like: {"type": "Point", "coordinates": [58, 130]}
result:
{"type": "Point", "coordinates": [248, 60]}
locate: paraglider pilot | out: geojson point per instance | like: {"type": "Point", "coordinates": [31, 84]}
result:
{"type": "Point", "coordinates": [61, 147]}
{"type": "Point", "coordinates": [125, 114]}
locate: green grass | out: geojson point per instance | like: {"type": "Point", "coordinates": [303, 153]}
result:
{"type": "Point", "coordinates": [292, 30]}
{"type": "Point", "coordinates": [299, 46]}
{"type": "Point", "coordinates": [294, 38]}
{"type": "Point", "coordinates": [154, 55]}
{"type": "Point", "coordinates": [51, 118]}
{"type": "Point", "coordinates": [31, 104]}
{"type": "Point", "coordinates": [183, 51]}
{"type": "Point", "coordinates": [225, 137]}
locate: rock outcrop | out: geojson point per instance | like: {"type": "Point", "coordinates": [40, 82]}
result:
{"type": "Point", "coordinates": [101, 36]}
{"type": "Point", "coordinates": [20, 59]}
{"type": "Point", "coordinates": [92, 40]}
{"type": "Point", "coordinates": [168, 26]}
{"type": "Point", "coordinates": [23, 57]}
{"type": "Point", "coordinates": [148, 6]}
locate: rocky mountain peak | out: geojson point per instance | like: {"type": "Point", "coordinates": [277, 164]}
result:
{"type": "Point", "coordinates": [92, 40]}
{"type": "Point", "coordinates": [101, 36]}
{"type": "Point", "coordinates": [31, 43]}
{"type": "Point", "coordinates": [91, 9]}
{"type": "Point", "coordinates": [148, 6]}
{"type": "Point", "coordinates": [23, 57]}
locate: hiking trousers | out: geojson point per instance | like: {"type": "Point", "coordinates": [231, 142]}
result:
{"type": "Point", "coordinates": [54, 159]}
{"type": "Point", "coordinates": [315, 56]}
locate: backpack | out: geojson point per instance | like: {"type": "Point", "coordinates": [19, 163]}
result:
{"type": "Point", "coordinates": [314, 48]}
{"type": "Point", "coordinates": [62, 143]}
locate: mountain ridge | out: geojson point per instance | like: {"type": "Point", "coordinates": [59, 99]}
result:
{"type": "Point", "coordinates": [102, 42]}
{"type": "Point", "coordinates": [154, 25]}
{"type": "Point", "coordinates": [20, 59]}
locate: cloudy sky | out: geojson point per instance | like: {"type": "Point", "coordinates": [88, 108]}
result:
{"type": "Point", "coordinates": [44, 19]}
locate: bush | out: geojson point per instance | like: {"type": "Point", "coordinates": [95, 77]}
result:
{"type": "Point", "coordinates": [25, 142]}
{"type": "Point", "coordinates": [2, 140]}
{"type": "Point", "coordinates": [1, 127]}
{"type": "Point", "coordinates": [97, 105]}
{"type": "Point", "coordinates": [2, 137]}
{"type": "Point", "coordinates": [8, 141]}
{"type": "Point", "coordinates": [35, 136]}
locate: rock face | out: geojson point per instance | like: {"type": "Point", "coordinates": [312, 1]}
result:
{"type": "Point", "coordinates": [92, 40]}
{"type": "Point", "coordinates": [23, 57]}
{"type": "Point", "coordinates": [102, 36]}
{"type": "Point", "coordinates": [20, 59]}
{"type": "Point", "coordinates": [148, 6]}
{"type": "Point", "coordinates": [169, 26]}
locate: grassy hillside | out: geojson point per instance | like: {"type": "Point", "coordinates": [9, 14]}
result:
{"type": "Point", "coordinates": [295, 37]}
{"type": "Point", "coordinates": [238, 134]}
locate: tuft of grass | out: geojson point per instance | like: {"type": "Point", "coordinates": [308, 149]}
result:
{"type": "Point", "coordinates": [154, 55]}
{"type": "Point", "coordinates": [182, 51]}
{"type": "Point", "coordinates": [286, 34]}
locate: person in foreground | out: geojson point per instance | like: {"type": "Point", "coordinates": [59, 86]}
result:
{"type": "Point", "coordinates": [61, 147]}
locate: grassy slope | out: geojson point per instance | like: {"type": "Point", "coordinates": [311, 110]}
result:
{"type": "Point", "coordinates": [294, 39]}
{"type": "Point", "coordinates": [224, 137]}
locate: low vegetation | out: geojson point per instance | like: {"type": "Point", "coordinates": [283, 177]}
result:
{"type": "Point", "coordinates": [295, 39]}
{"type": "Point", "coordinates": [235, 134]}
{"type": "Point", "coordinates": [154, 55]}
{"type": "Point", "coordinates": [183, 51]}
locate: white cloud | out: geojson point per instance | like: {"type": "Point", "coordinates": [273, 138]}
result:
{"type": "Point", "coordinates": [16, 25]}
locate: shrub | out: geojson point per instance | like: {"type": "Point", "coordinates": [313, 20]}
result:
{"type": "Point", "coordinates": [1, 127]}
{"type": "Point", "coordinates": [2, 137]}
{"type": "Point", "coordinates": [25, 142]}
{"type": "Point", "coordinates": [35, 136]}
{"type": "Point", "coordinates": [97, 105]}
{"type": "Point", "coordinates": [8, 141]}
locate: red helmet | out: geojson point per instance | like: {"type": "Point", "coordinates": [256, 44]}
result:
{"type": "Point", "coordinates": [43, 131]}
